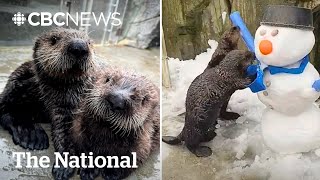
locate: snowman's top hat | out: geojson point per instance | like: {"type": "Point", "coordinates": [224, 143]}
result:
{"type": "Point", "coordinates": [288, 16]}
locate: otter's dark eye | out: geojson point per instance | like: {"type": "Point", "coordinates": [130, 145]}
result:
{"type": "Point", "coordinates": [145, 99]}
{"type": "Point", "coordinates": [235, 28]}
{"type": "Point", "coordinates": [107, 80]}
{"type": "Point", "coordinates": [133, 97]}
{"type": "Point", "coordinates": [54, 40]}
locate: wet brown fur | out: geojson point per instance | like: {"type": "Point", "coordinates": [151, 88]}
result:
{"type": "Point", "coordinates": [228, 42]}
{"type": "Point", "coordinates": [48, 89]}
{"type": "Point", "coordinates": [205, 99]}
{"type": "Point", "coordinates": [98, 129]}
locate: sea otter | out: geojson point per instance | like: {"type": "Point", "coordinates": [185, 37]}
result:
{"type": "Point", "coordinates": [227, 43]}
{"type": "Point", "coordinates": [119, 115]}
{"type": "Point", "coordinates": [48, 89]}
{"type": "Point", "coordinates": [205, 98]}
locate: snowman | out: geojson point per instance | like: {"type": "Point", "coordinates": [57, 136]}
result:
{"type": "Point", "coordinates": [291, 120]}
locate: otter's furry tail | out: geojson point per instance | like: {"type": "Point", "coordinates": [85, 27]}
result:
{"type": "Point", "coordinates": [172, 140]}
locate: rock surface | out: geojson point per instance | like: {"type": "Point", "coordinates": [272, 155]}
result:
{"type": "Point", "coordinates": [144, 30]}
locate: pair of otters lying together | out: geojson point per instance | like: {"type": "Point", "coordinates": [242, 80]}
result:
{"type": "Point", "coordinates": [109, 112]}
{"type": "Point", "coordinates": [209, 94]}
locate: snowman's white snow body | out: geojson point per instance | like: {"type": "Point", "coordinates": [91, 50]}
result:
{"type": "Point", "coordinates": [291, 121]}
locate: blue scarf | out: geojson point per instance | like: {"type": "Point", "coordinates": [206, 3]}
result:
{"type": "Point", "coordinates": [257, 85]}
{"type": "Point", "coordinates": [298, 70]}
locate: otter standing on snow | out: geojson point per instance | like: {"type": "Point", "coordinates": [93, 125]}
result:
{"type": "Point", "coordinates": [49, 88]}
{"type": "Point", "coordinates": [119, 116]}
{"type": "Point", "coordinates": [205, 98]}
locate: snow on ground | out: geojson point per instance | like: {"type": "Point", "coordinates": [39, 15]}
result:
{"type": "Point", "coordinates": [238, 149]}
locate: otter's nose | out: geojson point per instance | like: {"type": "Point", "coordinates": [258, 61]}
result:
{"type": "Point", "coordinates": [235, 28]}
{"type": "Point", "coordinates": [78, 48]}
{"type": "Point", "coordinates": [116, 102]}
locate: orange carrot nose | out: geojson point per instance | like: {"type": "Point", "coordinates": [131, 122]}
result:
{"type": "Point", "coordinates": [265, 47]}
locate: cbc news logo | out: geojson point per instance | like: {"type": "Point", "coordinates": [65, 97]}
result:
{"type": "Point", "coordinates": [61, 18]}
{"type": "Point", "coordinates": [18, 19]}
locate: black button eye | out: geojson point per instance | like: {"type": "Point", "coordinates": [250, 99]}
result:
{"type": "Point", "coordinates": [54, 40]}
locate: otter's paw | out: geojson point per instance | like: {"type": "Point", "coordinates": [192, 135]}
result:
{"type": "Point", "coordinates": [88, 173]}
{"type": "Point", "coordinates": [62, 173]}
{"type": "Point", "coordinates": [229, 115]}
{"type": "Point", "coordinates": [30, 137]}
{"type": "Point", "coordinates": [202, 151]}
{"type": "Point", "coordinates": [171, 140]}
{"type": "Point", "coordinates": [111, 175]}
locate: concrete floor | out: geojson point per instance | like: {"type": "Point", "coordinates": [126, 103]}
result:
{"type": "Point", "coordinates": [177, 161]}
{"type": "Point", "coordinates": [146, 62]}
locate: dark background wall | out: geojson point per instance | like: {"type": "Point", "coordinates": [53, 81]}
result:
{"type": "Point", "coordinates": [189, 24]}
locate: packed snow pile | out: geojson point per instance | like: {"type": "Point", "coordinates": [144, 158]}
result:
{"type": "Point", "coordinates": [182, 73]}
{"type": "Point", "coordinates": [240, 140]}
